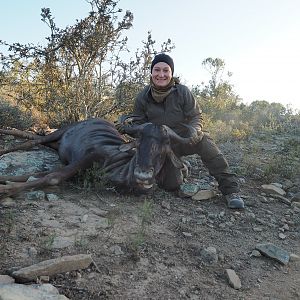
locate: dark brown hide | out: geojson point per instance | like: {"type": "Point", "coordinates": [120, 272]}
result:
{"type": "Point", "coordinates": [96, 140]}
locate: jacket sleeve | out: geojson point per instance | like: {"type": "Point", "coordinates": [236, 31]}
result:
{"type": "Point", "coordinates": [192, 111]}
{"type": "Point", "coordinates": [140, 107]}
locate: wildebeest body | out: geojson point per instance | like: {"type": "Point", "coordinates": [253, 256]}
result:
{"type": "Point", "coordinates": [134, 166]}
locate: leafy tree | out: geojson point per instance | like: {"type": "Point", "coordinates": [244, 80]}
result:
{"type": "Point", "coordinates": [218, 96]}
{"type": "Point", "coordinates": [80, 72]}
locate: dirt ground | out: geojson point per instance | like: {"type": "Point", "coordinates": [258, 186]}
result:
{"type": "Point", "coordinates": [153, 246]}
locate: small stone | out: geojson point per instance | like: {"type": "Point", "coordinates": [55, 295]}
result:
{"type": "Point", "coordinates": [296, 209]}
{"type": "Point", "coordinates": [204, 195]}
{"type": "Point", "coordinates": [296, 204]}
{"type": "Point", "coordinates": [273, 189]}
{"type": "Point", "coordinates": [286, 227]}
{"type": "Point", "coordinates": [263, 199]}
{"type": "Point", "coordinates": [257, 229]}
{"type": "Point", "coordinates": [187, 234]}
{"type": "Point", "coordinates": [233, 279]}
{"type": "Point", "coordinates": [294, 257]}
{"type": "Point", "coordinates": [201, 219]}
{"type": "Point", "coordinates": [32, 252]}
{"type": "Point", "coordinates": [296, 197]}
{"type": "Point", "coordinates": [53, 266]}
{"type": "Point", "coordinates": [282, 236]}
{"type": "Point", "coordinates": [116, 249]}
{"type": "Point", "coordinates": [7, 202]}
{"type": "Point", "coordinates": [32, 292]}
{"type": "Point", "coordinates": [31, 178]}
{"type": "Point", "coordinates": [52, 197]}
{"type": "Point", "coordinates": [5, 279]}
{"type": "Point", "coordinates": [166, 204]}
{"type": "Point", "coordinates": [250, 215]}
{"type": "Point", "coordinates": [279, 185]}
{"type": "Point", "coordinates": [209, 255]}
{"type": "Point", "coordinates": [222, 214]}
{"type": "Point", "coordinates": [99, 212]}
{"type": "Point", "coordinates": [84, 218]}
{"type": "Point", "coordinates": [44, 278]}
{"type": "Point", "coordinates": [255, 253]}
{"type": "Point", "coordinates": [188, 189]}
{"type": "Point", "coordinates": [272, 251]}
{"type": "Point", "coordinates": [35, 195]}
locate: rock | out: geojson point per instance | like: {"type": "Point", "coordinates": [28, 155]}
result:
{"type": "Point", "coordinates": [209, 255]}
{"type": "Point", "coordinates": [32, 252]}
{"type": "Point", "coordinates": [44, 278]}
{"type": "Point", "coordinates": [273, 189]}
{"type": "Point", "coordinates": [52, 197]}
{"type": "Point", "coordinates": [31, 178]}
{"type": "Point", "coordinates": [99, 212]}
{"type": "Point", "coordinates": [52, 267]}
{"type": "Point", "coordinates": [263, 199]}
{"type": "Point", "coordinates": [296, 204]}
{"type": "Point", "coordinates": [294, 257]}
{"type": "Point", "coordinates": [257, 229]}
{"type": "Point", "coordinates": [7, 202]}
{"type": "Point", "coordinates": [204, 195]}
{"type": "Point", "coordinates": [35, 195]}
{"type": "Point", "coordinates": [282, 236]}
{"type": "Point", "coordinates": [5, 279]}
{"type": "Point", "coordinates": [166, 204]}
{"type": "Point", "coordinates": [32, 161]}
{"type": "Point", "coordinates": [201, 219]}
{"type": "Point", "coordinates": [279, 185]}
{"type": "Point", "coordinates": [187, 234]}
{"type": "Point", "coordinates": [84, 218]}
{"type": "Point", "coordinates": [296, 209]}
{"type": "Point", "coordinates": [233, 279]}
{"type": "Point", "coordinates": [255, 253]}
{"type": "Point", "coordinates": [26, 292]}
{"type": "Point", "coordinates": [296, 197]}
{"type": "Point", "coordinates": [188, 189]}
{"type": "Point", "coordinates": [272, 251]}
{"type": "Point", "coordinates": [116, 250]}
{"type": "Point", "coordinates": [60, 242]}
{"type": "Point", "coordinates": [282, 199]}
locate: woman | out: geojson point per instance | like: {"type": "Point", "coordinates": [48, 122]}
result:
{"type": "Point", "coordinates": [166, 101]}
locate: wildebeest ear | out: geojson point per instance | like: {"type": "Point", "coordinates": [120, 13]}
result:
{"type": "Point", "coordinates": [175, 160]}
{"type": "Point", "coordinates": [128, 146]}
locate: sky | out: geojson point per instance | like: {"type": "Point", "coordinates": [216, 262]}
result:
{"type": "Point", "coordinates": [259, 40]}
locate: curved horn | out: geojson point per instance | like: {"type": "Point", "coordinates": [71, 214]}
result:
{"type": "Point", "coordinates": [129, 118]}
{"type": "Point", "coordinates": [128, 123]}
{"type": "Point", "coordinates": [133, 129]}
{"type": "Point", "coordinates": [183, 140]}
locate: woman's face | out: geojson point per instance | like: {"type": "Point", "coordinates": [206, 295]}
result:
{"type": "Point", "coordinates": [161, 74]}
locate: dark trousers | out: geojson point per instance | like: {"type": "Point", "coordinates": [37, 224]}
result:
{"type": "Point", "coordinates": [170, 178]}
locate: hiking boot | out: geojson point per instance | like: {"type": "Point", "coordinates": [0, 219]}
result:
{"type": "Point", "coordinates": [234, 201]}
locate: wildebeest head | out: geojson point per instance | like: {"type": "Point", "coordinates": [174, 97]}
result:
{"type": "Point", "coordinates": [153, 145]}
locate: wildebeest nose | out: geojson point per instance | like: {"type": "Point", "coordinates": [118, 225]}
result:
{"type": "Point", "coordinates": [143, 174]}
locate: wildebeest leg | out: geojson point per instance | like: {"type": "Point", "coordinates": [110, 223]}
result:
{"type": "Point", "coordinates": [51, 179]}
{"type": "Point", "coordinates": [50, 138]}
{"type": "Point", "coordinates": [20, 133]}
{"type": "Point", "coordinates": [23, 178]}
{"type": "Point", "coordinates": [169, 178]}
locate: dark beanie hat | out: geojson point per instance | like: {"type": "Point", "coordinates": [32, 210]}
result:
{"type": "Point", "coordinates": [163, 58]}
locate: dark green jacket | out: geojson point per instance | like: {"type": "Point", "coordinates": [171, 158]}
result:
{"type": "Point", "coordinates": [178, 107]}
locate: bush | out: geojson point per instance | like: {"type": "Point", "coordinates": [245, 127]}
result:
{"type": "Point", "coordinates": [12, 116]}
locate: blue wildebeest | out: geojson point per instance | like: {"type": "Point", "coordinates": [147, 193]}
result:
{"type": "Point", "coordinates": [134, 165]}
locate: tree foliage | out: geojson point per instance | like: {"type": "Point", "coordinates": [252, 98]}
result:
{"type": "Point", "coordinates": [80, 72]}
{"type": "Point", "coordinates": [217, 96]}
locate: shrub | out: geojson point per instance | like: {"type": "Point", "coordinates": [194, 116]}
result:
{"type": "Point", "coordinates": [13, 116]}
